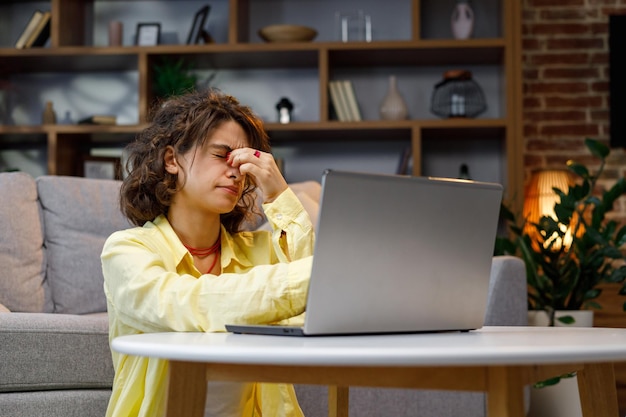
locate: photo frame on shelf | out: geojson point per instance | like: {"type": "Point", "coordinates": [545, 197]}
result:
{"type": "Point", "coordinates": [148, 34]}
{"type": "Point", "coordinates": [197, 31]}
{"type": "Point", "coordinates": [101, 167]}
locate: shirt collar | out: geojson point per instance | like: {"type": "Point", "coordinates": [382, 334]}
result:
{"type": "Point", "coordinates": [230, 251]}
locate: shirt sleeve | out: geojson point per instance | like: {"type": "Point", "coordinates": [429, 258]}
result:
{"type": "Point", "coordinates": [146, 295]}
{"type": "Point", "coordinates": [293, 236]}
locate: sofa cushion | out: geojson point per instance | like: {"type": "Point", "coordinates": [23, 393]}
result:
{"type": "Point", "coordinates": [22, 259]}
{"type": "Point", "coordinates": [65, 403]}
{"type": "Point", "coordinates": [79, 214]}
{"type": "Point", "coordinates": [43, 351]}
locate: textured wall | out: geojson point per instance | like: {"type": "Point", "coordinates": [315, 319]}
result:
{"type": "Point", "coordinates": [566, 84]}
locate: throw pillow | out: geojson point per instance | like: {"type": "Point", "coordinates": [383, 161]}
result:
{"type": "Point", "coordinates": [22, 259]}
{"type": "Point", "coordinates": [79, 214]}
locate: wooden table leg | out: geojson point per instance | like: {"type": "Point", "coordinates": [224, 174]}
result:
{"type": "Point", "coordinates": [187, 389]}
{"type": "Point", "coordinates": [597, 390]}
{"type": "Point", "coordinates": [338, 401]}
{"type": "Point", "coordinates": [505, 392]}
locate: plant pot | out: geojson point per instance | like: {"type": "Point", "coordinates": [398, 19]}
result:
{"type": "Point", "coordinates": [582, 318]}
{"type": "Point", "coordinates": [562, 399]}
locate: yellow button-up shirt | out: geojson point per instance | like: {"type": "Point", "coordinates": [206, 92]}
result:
{"type": "Point", "coordinates": [152, 285]}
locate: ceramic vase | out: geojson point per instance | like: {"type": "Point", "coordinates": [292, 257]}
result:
{"type": "Point", "coordinates": [49, 116]}
{"type": "Point", "coordinates": [116, 31]}
{"type": "Point", "coordinates": [462, 20]}
{"type": "Point", "coordinates": [393, 106]}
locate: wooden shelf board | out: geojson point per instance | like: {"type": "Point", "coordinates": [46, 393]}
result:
{"type": "Point", "coordinates": [328, 131]}
{"type": "Point", "coordinates": [331, 129]}
{"type": "Point", "coordinates": [256, 55]}
{"type": "Point", "coordinates": [433, 52]}
{"type": "Point", "coordinates": [234, 59]}
{"type": "Point", "coordinates": [71, 129]}
{"type": "Point", "coordinates": [385, 130]}
{"type": "Point", "coordinates": [11, 136]}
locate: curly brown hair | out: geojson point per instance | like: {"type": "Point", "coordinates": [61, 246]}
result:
{"type": "Point", "coordinates": [184, 122]}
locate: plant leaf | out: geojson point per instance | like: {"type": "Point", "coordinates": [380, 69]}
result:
{"type": "Point", "coordinates": [592, 293]}
{"type": "Point", "coordinates": [597, 148]}
{"type": "Point", "coordinates": [567, 320]}
{"type": "Point", "coordinates": [578, 169]}
{"type": "Point", "coordinates": [553, 381]}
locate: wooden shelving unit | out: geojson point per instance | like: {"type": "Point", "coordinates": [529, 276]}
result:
{"type": "Point", "coordinates": [67, 52]}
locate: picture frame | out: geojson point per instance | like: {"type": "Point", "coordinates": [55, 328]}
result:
{"type": "Point", "coordinates": [148, 34]}
{"type": "Point", "coordinates": [101, 167]}
{"type": "Point", "coordinates": [197, 32]}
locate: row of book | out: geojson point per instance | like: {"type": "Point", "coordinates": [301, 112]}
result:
{"type": "Point", "coordinates": [36, 32]}
{"type": "Point", "coordinates": [344, 101]}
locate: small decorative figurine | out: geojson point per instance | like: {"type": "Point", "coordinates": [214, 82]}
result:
{"type": "Point", "coordinates": [284, 107]}
{"type": "Point", "coordinates": [49, 116]}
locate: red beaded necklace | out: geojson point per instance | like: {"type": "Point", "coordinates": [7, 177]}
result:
{"type": "Point", "coordinates": [204, 252]}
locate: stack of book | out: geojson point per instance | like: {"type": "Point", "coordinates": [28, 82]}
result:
{"type": "Point", "coordinates": [344, 101]}
{"type": "Point", "coordinates": [36, 32]}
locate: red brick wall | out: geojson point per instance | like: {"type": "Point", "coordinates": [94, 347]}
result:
{"type": "Point", "coordinates": [566, 83]}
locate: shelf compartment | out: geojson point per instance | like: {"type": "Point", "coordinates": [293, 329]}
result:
{"type": "Point", "coordinates": [75, 59]}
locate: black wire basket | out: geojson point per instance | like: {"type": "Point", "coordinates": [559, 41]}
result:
{"type": "Point", "coordinates": [457, 95]}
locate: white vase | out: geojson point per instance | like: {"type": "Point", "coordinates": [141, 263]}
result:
{"type": "Point", "coordinates": [562, 399]}
{"type": "Point", "coordinates": [462, 21]}
{"type": "Point", "coordinates": [393, 106]}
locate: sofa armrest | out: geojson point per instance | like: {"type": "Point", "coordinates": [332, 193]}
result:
{"type": "Point", "coordinates": [507, 303]}
{"type": "Point", "coordinates": [54, 351]}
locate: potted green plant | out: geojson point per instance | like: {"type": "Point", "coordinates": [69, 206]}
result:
{"type": "Point", "coordinates": [566, 277]}
{"type": "Point", "coordinates": [173, 77]}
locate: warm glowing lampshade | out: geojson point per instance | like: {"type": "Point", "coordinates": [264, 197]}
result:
{"type": "Point", "coordinates": [540, 198]}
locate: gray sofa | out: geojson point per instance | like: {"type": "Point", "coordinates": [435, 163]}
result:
{"type": "Point", "coordinates": [54, 352]}
{"type": "Point", "coordinates": [54, 342]}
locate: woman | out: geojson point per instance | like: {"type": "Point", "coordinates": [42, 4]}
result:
{"type": "Point", "coordinates": [186, 266]}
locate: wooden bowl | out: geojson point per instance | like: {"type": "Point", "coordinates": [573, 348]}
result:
{"type": "Point", "coordinates": [287, 33]}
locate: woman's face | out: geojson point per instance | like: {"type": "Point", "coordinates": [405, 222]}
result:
{"type": "Point", "coordinates": [211, 185]}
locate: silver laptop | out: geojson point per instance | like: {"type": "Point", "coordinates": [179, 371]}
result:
{"type": "Point", "coordinates": [397, 254]}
